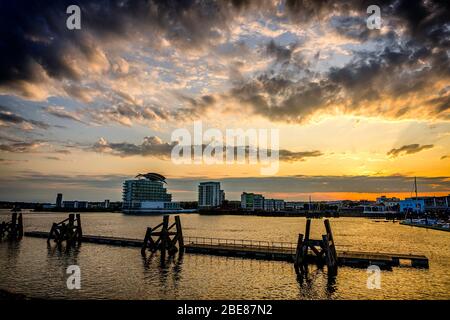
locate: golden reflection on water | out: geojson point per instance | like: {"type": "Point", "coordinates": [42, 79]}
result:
{"type": "Point", "coordinates": [35, 269]}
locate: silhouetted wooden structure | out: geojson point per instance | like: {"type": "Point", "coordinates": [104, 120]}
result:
{"type": "Point", "coordinates": [266, 250]}
{"type": "Point", "coordinates": [68, 230]}
{"type": "Point", "coordinates": [324, 250]}
{"type": "Point", "coordinates": [12, 230]}
{"type": "Point", "coordinates": [167, 238]}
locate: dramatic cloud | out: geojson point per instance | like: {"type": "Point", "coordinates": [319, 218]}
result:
{"type": "Point", "coordinates": [8, 119]}
{"type": "Point", "coordinates": [155, 147]}
{"type": "Point", "coordinates": [154, 48]}
{"type": "Point", "coordinates": [20, 147]}
{"type": "Point", "coordinates": [409, 149]}
{"type": "Point", "coordinates": [60, 112]}
{"type": "Point", "coordinates": [286, 155]}
{"type": "Point", "coordinates": [151, 146]}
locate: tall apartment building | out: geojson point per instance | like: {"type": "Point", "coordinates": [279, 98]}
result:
{"type": "Point", "coordinates": [210, 195]}
{"type": "Point", "coordinates": [59, 198]}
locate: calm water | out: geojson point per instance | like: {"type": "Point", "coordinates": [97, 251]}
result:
{"type": "Point", "coordinates": [32, 268]}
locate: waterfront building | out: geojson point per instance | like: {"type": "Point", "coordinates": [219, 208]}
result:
{"type": "Point", "coordinates": [75, 204]}
{"type": "Point", "coordinates": [295, 205]}
{"type": "Point", "coordinates": [147, 194]}
{"type": "Point", "coordinates": [99, 205]}
{"type": "Point", "coordinates": [210, 195]}
{"type": "Point", "coordinates": [388, 202]}
{"type": "Point", "coordinates": [274, 205]}
{"type": "Point", "coordinates": [252, 201]}
{"type": "Point", "coordinates": [422, 204]}
{"type": "Point", "coordinates": [412, 205]}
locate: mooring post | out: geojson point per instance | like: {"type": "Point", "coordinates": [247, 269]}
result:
{"type": "Point", "coordinates": [331, 255]}
{"type": "Point", "coordinates": [179, 234]}
{"type": "Point", "coordinates": [307, 229]}
{"type": "Point", "coordinates": [305, 245]}
{"type": "Point", "coordinates": [20, 226]}
{"type": "Point", "coordinates": [79, 228]}
{"type": "Point", "coordinates": [2, 229]}
{"type": "Point", "coordinates": [164, 236]}
{"type": "Point", "coordinates": [52, 231]}
{"type": "Point", "coordinates": [146, 240]}
{"type": "Point", "coordinates": [298, 254]}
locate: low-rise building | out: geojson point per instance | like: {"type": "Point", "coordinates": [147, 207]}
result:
{"type": "Point", "coordinates": [295, 205]}
{"type": "Point", "coordinates": [75, 204]}
{"type": "Point", "coordinates": [388, 202]}
{"type": "Point", "coordinates": [252, 201]}
{"type": "Point", "coordinates": [423, 204]}
{"type": "Point", "coordinates": [274, 205]}
{"type": "Point", "coordinates": [412, 205]}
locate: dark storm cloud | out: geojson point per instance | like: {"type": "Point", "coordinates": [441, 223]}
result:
{"type": "Point", "coordinates": [8, 118]}
{"type": "Point", "coordinates": [409, 149]}
{"type": "Point", "coordinates": [281, 53]}
{"type": "Point", "coordinates": [281, 99]}
{"type": "Point", "coordinates": [33, 37]}
{"type": "Point", "coordinates": [395, 72]}
{"type": "Point", "coordinates": [35, 34]}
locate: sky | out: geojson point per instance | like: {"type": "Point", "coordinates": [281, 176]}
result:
{"type": "Point", "coordinates": [360, 111]}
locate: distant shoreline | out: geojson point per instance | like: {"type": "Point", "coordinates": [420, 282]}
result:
{"type": "Point", "coordinates": [217, 212]}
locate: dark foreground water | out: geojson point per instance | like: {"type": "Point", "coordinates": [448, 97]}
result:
{"type": "Point", "coordinates": [32, 268]}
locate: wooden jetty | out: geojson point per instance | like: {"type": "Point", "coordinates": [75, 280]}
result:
{"type": "Point", "coordinates": [265, 250]}
{"type": "Point", "coordinates": [427, 226]}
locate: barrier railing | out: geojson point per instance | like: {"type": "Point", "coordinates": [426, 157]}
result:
{"type": "Point", "coordinates": [241, 243]}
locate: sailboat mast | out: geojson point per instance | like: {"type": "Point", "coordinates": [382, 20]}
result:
{"type": "Point", "coordinates": [415, 186]}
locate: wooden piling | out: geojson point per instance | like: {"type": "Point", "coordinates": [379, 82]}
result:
{"type": "Point", "coordinates": [164, 242]}
{"type": "Point", "coordinates": [330, 253]}
{"type": "Point", "coordinates": [12, 230]}
{"type": "Point", "coordinates": [323, 250]}
{"type": "Point", "coordinates": [70, 232]}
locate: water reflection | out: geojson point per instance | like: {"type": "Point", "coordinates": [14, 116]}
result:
{"type": "Point", "coordinates": [311, 282]}
{"type": "Point", "coordinates": [32, 268]}
{"type": "Point", "coordinates": [169, 269]}
{"type": "Point", "coordinates": [60, 257]}
{"type": "Point", "coordinates": [13, 250]}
